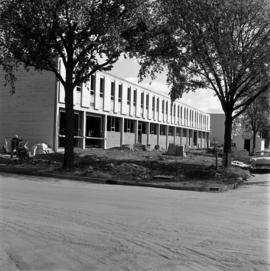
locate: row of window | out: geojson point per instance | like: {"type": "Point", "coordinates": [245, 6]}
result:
{"type": "Point", "coordinates": [175, 110]}
{"type": "Point", "coordinates": [114, 124]}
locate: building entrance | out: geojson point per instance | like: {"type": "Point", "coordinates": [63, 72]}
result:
{"type": "Point", "coordinates": [77, 129]}
{"type": "Point", "coordinates": [94, 133]}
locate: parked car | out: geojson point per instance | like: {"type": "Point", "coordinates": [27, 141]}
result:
{"type": "Point", "coordinates": [260, 162]}
{"type": "Point", "coordinates": [240, 164]}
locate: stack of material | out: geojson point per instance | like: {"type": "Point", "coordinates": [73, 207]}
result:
{"type": "Point", "coordinates": [176, 150]}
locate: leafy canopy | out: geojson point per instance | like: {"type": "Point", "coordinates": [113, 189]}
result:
{"type": "Point", "coordinates": [85, 34]}
{"type": "Point", "coordinates": [215, 44]}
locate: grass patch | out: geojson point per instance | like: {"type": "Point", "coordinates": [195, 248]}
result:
{"type": "Point", "coordinates": [235, 173]}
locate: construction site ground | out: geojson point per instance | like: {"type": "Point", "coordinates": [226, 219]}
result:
{"type": "Point", "coordinates": [197, 171]}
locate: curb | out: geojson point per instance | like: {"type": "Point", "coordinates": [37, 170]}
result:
{"type": "Point", "coordinates": [39, 173]}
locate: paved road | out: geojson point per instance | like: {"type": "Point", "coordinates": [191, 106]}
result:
{"type": "Point", "coordinates": [49, 224]}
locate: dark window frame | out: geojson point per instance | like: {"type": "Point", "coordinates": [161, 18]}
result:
{"type": "Point", "coordinates": [102, 86]}
{"type": "Point", "coordinates": [92, 84]}
{"type": "Point", "coordinates": [112, 90]}
{"type": "Point", "coordinates": [135, 97]}
{"type": "Point", "coordinates": [120, 92]}
{"type": "Point", "coordinates": [147, 101]}
{"type": "Point", "coordinates": [128, 126]}
{"type": "Point", "coordinates": [129, 95]}
{"type": "Point", "coordinates": [142, 100]}
{"type": "Point", "coordinates": [79, 87]}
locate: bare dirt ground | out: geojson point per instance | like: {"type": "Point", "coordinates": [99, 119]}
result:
{"type": "Point", "coordinates": [50, 224]}
{"type": "Point", "coordinates": [196, 171]}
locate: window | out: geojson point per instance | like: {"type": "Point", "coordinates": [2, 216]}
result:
{"type": "Point", "coordinates": [170, 132]}
{"type": "Point", "coordinates": [184, 132]}
{"type": "Point", "coordinates": [120, 88]}
{"type": "Point", "coordinates": [143, 126]}
{"type": "Point", "coordinates": [147, 101]}
{"type": "Point", "coordinates": [153, 128]}
{"type": "Point", "coordinates": [112, 90]}
{"type": "Point", "coordinates": [102, 86]}
{"type": "Point", "coordinates": [162, 129]}
{"type": "Point", "coordinates": [142, 99]}
{"type": "Point", "coordinates": [153, 103]}
{"type": "Point", "coordinates": [113, 124]}
{"type": "Point", "coordinates": [129, 126]}
{"type": "Point", "coordinates": [135, 97]}
{"type": "Point", "coordinates": [79, 88]}
{"type": "Point", "coordinates": [158, 105]}
{"type": "Point", "coordinates": [129, 96]}
{"type": "Point", "coordinates": [92, 84]}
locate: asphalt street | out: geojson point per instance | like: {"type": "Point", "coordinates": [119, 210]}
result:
{"type": "Point", "coordinates": [50, 224]}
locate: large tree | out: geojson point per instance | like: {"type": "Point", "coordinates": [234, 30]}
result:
{"type": "Point", "coordinates": [257, 117]}
{"type": "Point", "coordinates": [85, 34]}
{"type": "Point", "coordinates": [221, 45]}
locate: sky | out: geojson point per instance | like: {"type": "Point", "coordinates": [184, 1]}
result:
{"type": "Point", "coordinates": [202, 99]}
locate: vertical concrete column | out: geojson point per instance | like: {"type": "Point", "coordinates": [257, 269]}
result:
{"type": "Point", "coordinates": [192, 137]}
{"type": "Point", "coordinates": [174, 135]}
{"type": "Point", "coordinates": [105, 131]}
{"type": "Point", "coordinates": [147, 133]}
{"type": "Point", "coordinates": [167, 136]}
{"type": "Point", "coordinates": [83, 132]}
{"type": "Point", "coordinates": [191, 133]}
{"type": "Point", "coordinates": [122, 131]}
{"type": "Point", "coordinates": [187, 138]}
{"type": "Point", "coordinates": [158, 134]}
{"type": "Point", "coordinates": [181, 136]}
{"type": "Point", "coordinates": [136, 131]}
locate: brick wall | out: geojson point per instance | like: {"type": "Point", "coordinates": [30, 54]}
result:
{"type": "Point", "coordinates": [162, 141]}
{"type": "Point", "coordinates": [30, 111]}
{"type": "Point", "coordinates": [129, 138]}
{"type": "Point", "coordinates": [144, 139]}
{"type": "Point", "coordinates": [113, 139]}
{"type": "Point", "coordinates": [177, 141]}
{"type": "Point", "coordinates": [153, 140]}
{"type": "Point", "coordinates": [170, 139]}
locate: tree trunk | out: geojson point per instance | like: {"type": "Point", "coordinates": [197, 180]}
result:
{"type": "Point", "coordinates": [254, 141]}
{"type": "Point", "coordinates": [69, 140]}
{"type": "Point", "coordinates": [227, 141]}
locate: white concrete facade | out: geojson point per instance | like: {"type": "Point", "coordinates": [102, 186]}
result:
{"type": "Point", "coordinates": [109, 111]}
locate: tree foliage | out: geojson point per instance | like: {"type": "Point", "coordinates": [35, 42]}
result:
{"type": "Point", "coordinates": [87, 35]}
{"type": "Point", "coordinates": [257, 117]}
{"type": "Point", "coordinates": [221, 45]}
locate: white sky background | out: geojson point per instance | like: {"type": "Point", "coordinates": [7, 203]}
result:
{"type": "Point", "coordinates": [201, 99]}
